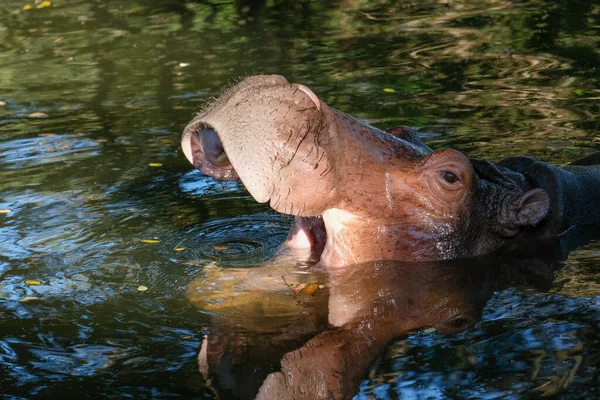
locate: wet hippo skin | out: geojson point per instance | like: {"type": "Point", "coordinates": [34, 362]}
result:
{"type": "Point", "coordinates": [360, 194]}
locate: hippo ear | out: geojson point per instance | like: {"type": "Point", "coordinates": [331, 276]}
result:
{"type": "Point", "coordinates": [533, 206]}
{"type": "Point", "coordinates": [527, 210]}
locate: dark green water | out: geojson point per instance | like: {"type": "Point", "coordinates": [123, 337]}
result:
{"type": "Point", "coordinates": [117, 81]}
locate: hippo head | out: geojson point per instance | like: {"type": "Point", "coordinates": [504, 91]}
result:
{"type": "Point", "coordinates": [380, 195]}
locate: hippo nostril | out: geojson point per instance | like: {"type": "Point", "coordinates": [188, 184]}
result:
{"type": "Point", "coordinates": [212, 147]}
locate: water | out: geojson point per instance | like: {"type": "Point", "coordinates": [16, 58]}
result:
{"type": "Point", "coordinates": [95, 92]}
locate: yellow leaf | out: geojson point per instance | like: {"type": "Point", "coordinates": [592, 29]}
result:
{"type": "Point", "coordinates": [389, 90]}
{"type": "Point", "coordinates": [150, 241]}
{"type": "Point", "coordinates": [26, 7]}
{"type": "Point", "coordinates": [51, 150]}
{"type": "Point", "coordinates": [33, 282]}
{"type": "Point", "coordinates": [5, 211]}
{"type": "Point", "coordinates": [44, 4]}
{"type": "Point", "coordinates": [310, 289]}
{"type": "Point", "coordinates": [155, 164]}
{"type": "Point", "coordinates": [142, 288]}
{"type": "Point", "coordinates": [64, 147]}
{"type": "Point", "coordinates": [441, 75]}
{"type": "Point", "coordinates": [38, 115]}
{"type": "Point", "coordinates": [2, 103]}
{"type": "Point", "coordinates": [220, 248]}
{"type": "Point", "coordinates": [429, 330]}
{"type": "Point", "coordinates": [180, 249]}
{"type": "Point", "coordinates": [46, 134]}
{"type": "Point", "coordinates": [27, 298]}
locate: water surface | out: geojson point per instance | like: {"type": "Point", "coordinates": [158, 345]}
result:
{"type": "Point", "coordinates": [93, 93]}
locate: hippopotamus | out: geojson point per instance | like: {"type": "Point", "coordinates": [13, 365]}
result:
{"type": "Point", "coordinates": [361, 194]}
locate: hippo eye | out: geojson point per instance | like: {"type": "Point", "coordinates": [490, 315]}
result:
{"type": "Point", "coordinates": [449, 177]}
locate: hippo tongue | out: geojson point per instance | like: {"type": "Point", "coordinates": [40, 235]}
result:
{"type": "Point", "coordinates": [307, 232]}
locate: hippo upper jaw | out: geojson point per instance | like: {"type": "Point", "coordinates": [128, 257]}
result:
{"type": "Point", "coordinates": [265, 133]}
{"type": "Point", "coordinates": [286, 146]}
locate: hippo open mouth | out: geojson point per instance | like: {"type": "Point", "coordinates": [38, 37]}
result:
{"type": "Point", "coordinates": [204, 148]}
{"type": "Point", "coordinates": [358, 193]}
{"type": "Point", "coordinates": [206, 153]}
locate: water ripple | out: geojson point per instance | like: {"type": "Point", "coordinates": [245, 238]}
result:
{"type": "Point", "coordinates": [242, 241]}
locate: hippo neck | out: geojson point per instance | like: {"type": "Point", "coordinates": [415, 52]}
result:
{"type": "Point", "coordinates": [354, 239]}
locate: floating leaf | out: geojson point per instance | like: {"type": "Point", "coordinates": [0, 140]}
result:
{"type": "Point", "coordinates": [2, 103]}
{"type": "Point", "coordinates": [389, 90]}
{"type": "Point", "coordinates": [429, 330]}
{"type": "Point", "coordinates": [27, 298]}
{"type": "Point", "coordinates": [142, 288]}
{"type": "Point", "coordinates": [220, 248]}
{"type": "Point", "coordinates": [64, 147]}
{"type": "Point", "coordinates": [46, 134]}
{"type": "Point", "coordinates": [51, 150]}
{"type": "Point", "coordinates": [38, 115]}
{"type": "Point", "coordinates": [5, 211]}
{"type": "Point", "coordinates": [33, 282]}
{"type": "Point", "coordinates": [150, 241]}
{"type": "Point", "coordinates": [568, 82]}
{"type": "Point", "coordinates": [27, 7]}
{"type": "Point", "coordinates": [441, 75]}
{"type": "Point", "coordinates": [183, 65]}
{"type": "Point", "coordinates": [155, 164]}
{"type": "Point", "coordinates": [310, 289]}
{"type": "Point", "coordinates": [44, 4]}
{"type": "Point", "coordinates": [180, 249]}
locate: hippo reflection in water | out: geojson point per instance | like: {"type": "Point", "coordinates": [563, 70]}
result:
{"type": "Point", "coordinates": [360, 194]}
{"type": "Point", "coordinates": [265, 345]}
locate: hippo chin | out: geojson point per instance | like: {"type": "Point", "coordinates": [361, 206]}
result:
{"type": "Point", "coordinates": [361, 194]}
